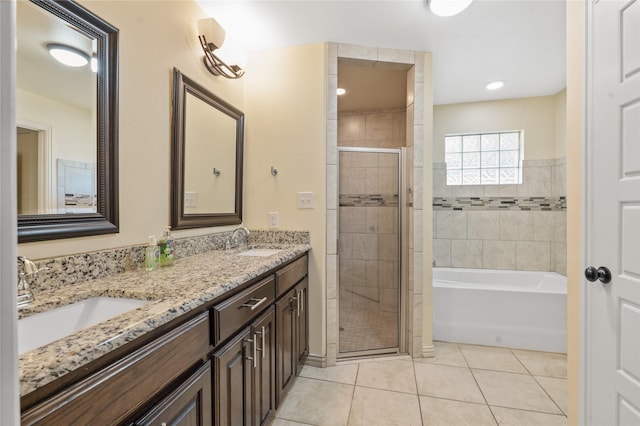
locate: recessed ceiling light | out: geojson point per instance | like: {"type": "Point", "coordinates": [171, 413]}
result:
{"type": "Point", "coordinates": [494, 85]}
{"type": "Point", "coordinates": [448, 7]}
{"type": "Point", "coordinates": [340, 91]}
{"type": "Point", "coordinates": [68, 55]}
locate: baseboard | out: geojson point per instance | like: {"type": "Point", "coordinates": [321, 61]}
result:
{"type": "Point", "coordinates": [428, 351]}
{"type": "Point", "coordinates": [313, 360]}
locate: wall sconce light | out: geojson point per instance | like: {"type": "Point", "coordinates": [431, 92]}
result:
{"type": "Point", "coordinates": [211, 36]}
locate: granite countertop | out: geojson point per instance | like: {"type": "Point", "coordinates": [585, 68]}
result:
{"type": "Point", "coordinates": [171, 291]}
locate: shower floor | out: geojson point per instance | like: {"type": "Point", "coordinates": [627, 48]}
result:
{"type": "Point", "coordinates": [363, 329]}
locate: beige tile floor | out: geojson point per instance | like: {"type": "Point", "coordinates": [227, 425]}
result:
{"type": "Point", "coordinates": [461, 385]}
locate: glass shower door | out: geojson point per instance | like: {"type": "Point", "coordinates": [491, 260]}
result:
{"type": "Point", "coordinates": [369, 251]}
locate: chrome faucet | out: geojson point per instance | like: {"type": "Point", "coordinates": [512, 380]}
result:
{"type": "Point", "coordinates": [25, 295]}
{"type": "Point", "coordinates": [232, 241]}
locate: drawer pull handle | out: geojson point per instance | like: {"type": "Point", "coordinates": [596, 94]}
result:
{"type": "Point", "coordinates": [256, 302]}
{"type": "Point", "coordinates": [298, 301]}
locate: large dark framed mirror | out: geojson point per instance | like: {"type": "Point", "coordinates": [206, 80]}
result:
{"type": "Point", "coordinates": [207, 151]}
{"type": "Point", "coordinates": [67, 121]}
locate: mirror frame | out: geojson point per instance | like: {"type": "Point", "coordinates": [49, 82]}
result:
{"type": "Point", "coordinates": [179, 220]}
{"type": "Point", "coordinates": [41, 227]}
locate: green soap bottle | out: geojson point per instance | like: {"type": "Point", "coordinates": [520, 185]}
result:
{"type": "Point", "coordinates": [167, 248]}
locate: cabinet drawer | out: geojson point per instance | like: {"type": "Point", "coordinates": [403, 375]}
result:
{"type": "Point", "coordinates": [288, 276]}
{"type": "Point", "coordinates": [118, 391]}
{"type": "Point", "coordinates": [230, 315]}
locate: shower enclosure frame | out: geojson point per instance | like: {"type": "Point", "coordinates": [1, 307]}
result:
{"type": "Point", "coordinates": [402, 231]}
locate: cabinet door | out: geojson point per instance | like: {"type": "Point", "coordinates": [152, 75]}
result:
{"type": "Point", "coordinates": [188, 405]}
{"type": "Point", "coordinates": [302, 324]}
{"type": "Point", "coordinates": [285, 334]}
{"type": "Point", "coordinates": [233, 365]}
{"type": "Point", "coordinates": [265, 367]}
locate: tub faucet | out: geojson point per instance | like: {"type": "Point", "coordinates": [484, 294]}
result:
{"type": "Point", "coordinates": [434, 263]}
{"type": "Point", "coordinates": [232, 241]}
{"type": "Point", "coordinates": [25, 295]}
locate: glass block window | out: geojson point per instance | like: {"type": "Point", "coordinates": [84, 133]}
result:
{"type": "Point", "coordinates": [484, 158]}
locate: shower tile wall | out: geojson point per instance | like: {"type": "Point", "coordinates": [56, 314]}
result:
{"type": "Point", "coordinates": [368, 226]}
{"type": "Point", "coordinates": [520, 227]}
{"type": "Point", "coordinates": [368, 251]}
{"type": "Point", "coordinates": [373, 129]}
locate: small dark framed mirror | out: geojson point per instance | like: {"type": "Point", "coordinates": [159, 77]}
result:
{"type": "Point", "coordinates": [67, 121]}
{"type": "Point", "coordinates": [207, 154]}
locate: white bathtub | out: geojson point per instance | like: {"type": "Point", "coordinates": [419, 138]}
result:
{"type": "Point", "coordinates": [514, 309]}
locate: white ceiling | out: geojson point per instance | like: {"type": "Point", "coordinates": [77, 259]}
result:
{"type": "Point", "coordinates": [37, 71]}
{"type": "Point", "coordinates": [519, 41]}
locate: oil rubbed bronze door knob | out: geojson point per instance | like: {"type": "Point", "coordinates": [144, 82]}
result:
{"type": "Point", "coordinates": [602, 273]}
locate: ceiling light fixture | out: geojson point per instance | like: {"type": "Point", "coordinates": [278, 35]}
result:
{"type": "Point", "coordinates": [67, 55]}
{"type": "Point", "coordinates": [340, 91]}
{"type": "Point", "coordinates": [448, 7]}
{"type": "Point", "coordinates": [494, 85]}
{"type": "Point", "coordinates": [211, 36]}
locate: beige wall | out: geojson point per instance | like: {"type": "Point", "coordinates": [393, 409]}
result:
{"type": "Point", "coordinates": [537, 116]}
{"type": "Point", "coordinates": [72, 137]}
{"type": "Point", "coordinates": [285, 129]}
{"type": "Point", "coordinates": [561, 123]}
{"type": "Point", "coordinates": [575, 111]}
{"type": "Point", "coordinates": [145, 85]}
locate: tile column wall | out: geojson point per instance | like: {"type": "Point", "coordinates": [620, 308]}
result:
{"type": "Point", "coordinates": [414, 137]}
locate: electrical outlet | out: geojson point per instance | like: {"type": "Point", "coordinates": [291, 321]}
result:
{"type": "Point", "coordinates": [274, 220]}
{"type": "Point", "coordinates": [305, 200]}
{"type": "Point", "coordinates": [190, 199]}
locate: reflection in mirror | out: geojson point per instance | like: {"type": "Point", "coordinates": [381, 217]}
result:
{"type": "Point", "coordinates": [210, 152]}
{"type": "Point", "coordinates": [67, 122]}
{"type": "Point", "coordinates": [56, 114]}
{"type": "Point", "coordinates": [208, 137]}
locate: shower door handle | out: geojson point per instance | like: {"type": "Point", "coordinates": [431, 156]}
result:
{"type": "Point", "coordinates": [602, 273]}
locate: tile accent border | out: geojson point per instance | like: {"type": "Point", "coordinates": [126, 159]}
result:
{"type": "Point", "coordinates": [501, 203]}
{"type": "Point", "coordinates": [368, 200]}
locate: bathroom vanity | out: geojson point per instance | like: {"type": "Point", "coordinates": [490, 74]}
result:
{"type": "Point", "coordinates": [225, 352]}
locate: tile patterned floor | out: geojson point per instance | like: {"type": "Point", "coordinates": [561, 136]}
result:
{"type": "Point", "coordinates": [363, 329]}
{"type": "Point", "coordinates": [461, 385]}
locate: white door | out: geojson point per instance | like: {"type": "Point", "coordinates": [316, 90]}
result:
{"type": "Point", "coordinates": [612, 358]}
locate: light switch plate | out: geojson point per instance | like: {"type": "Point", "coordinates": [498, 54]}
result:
{"type": "Point", "coordinates": [274, 220]}
{"type": "Point", "coordinates": [305, 200]}
{"type": "Point", "coordinates": [190, 199]}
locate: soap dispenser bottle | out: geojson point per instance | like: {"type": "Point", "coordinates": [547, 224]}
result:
{"type": "Point", "coordinates": [152, 254]}
{"type": "Point", "coordinates": [167, 248]}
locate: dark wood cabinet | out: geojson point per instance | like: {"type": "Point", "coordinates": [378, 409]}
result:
{"type": "Point", "coordinates": [265, 372]}
{"type": "Point", "coordinates": [116, 393]}
{"type": "Point", "coordinates": [302, 323]}
{"type": "Point", "coordinates": [293, 336]}
{"type": "Point", "coordinates": [285, 330]}
{"type": "Point", "coordinates": [188, 405]}
{"type": "Point", "coordinates": [230, 364]}
{"type": "Point", "coordinates": [233, 380]}
{"type": "Point", "coordinates": [244, 371]}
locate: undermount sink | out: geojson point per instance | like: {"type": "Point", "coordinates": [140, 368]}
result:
{"type": "Point", "coordinates": [260, 252]}
{"type": "Point", "coordinates": [46, 327]}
